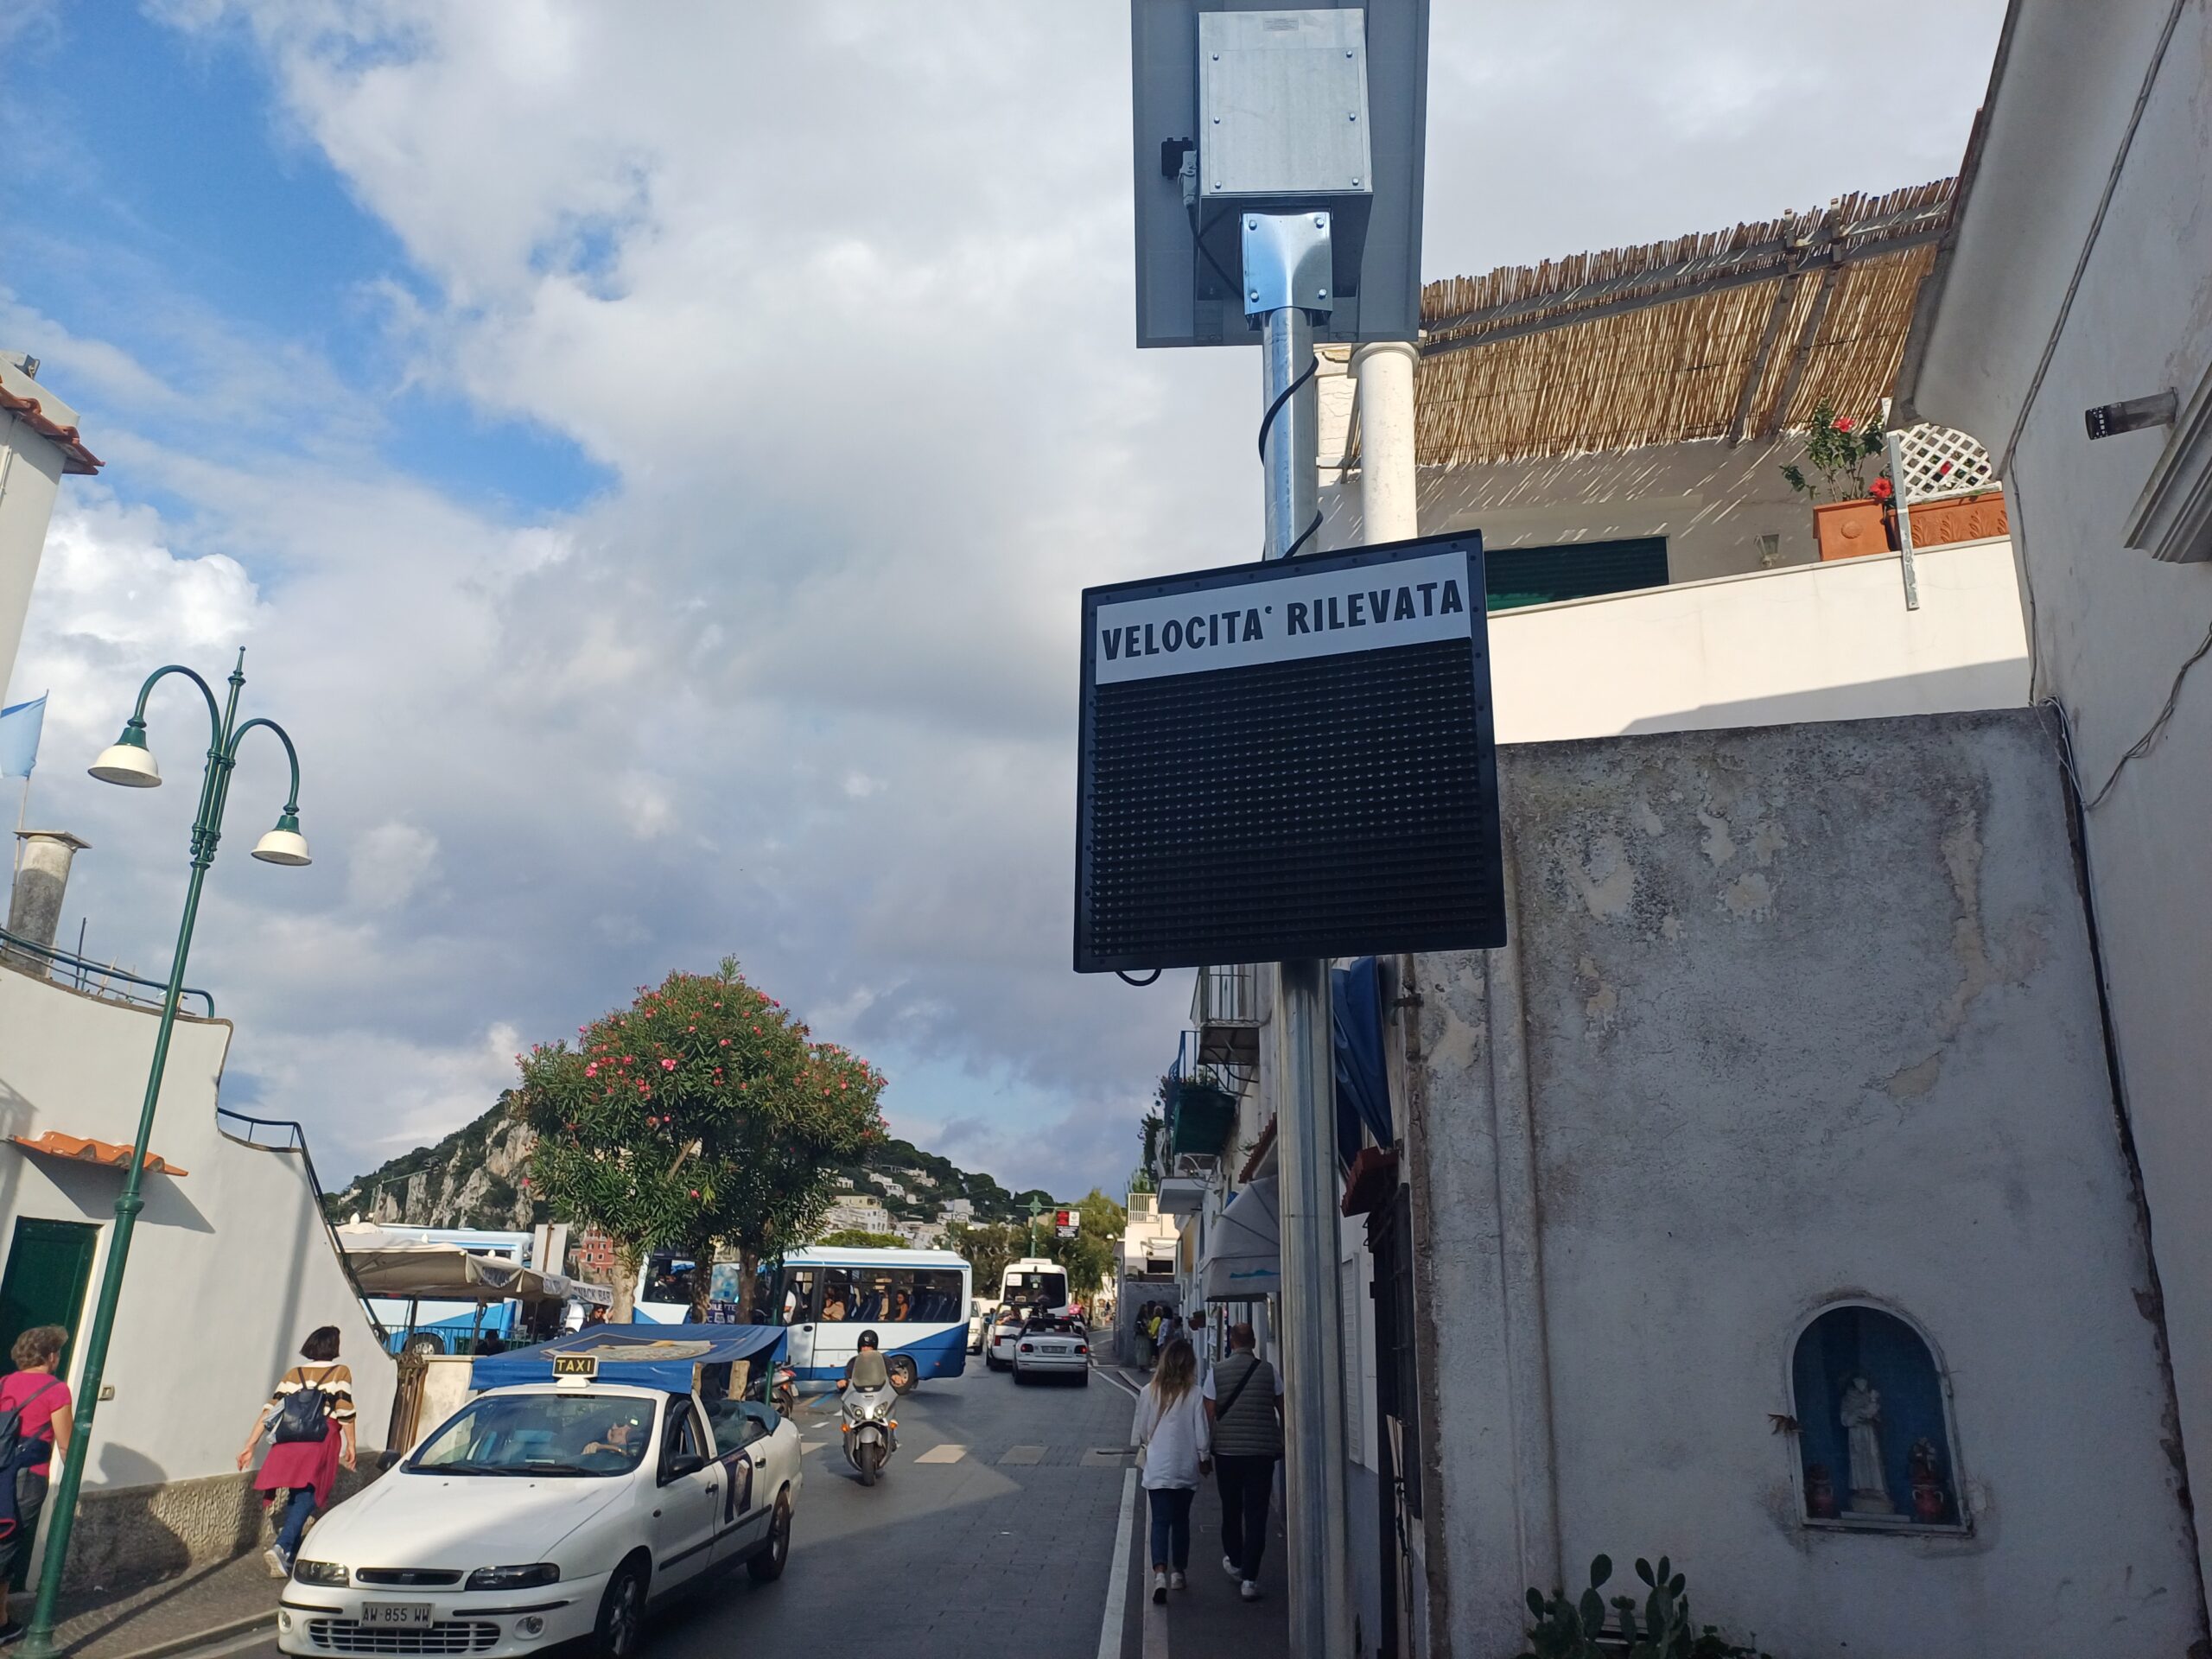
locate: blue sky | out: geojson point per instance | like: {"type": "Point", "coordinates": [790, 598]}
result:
{"type": "Point", "coordinates": [654, 489]}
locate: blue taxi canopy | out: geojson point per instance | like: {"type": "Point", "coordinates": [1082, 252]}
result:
{"type": "Point", "coordinates": [646, 1356]}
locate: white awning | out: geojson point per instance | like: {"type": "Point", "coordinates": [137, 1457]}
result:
{"type": "Point", "coordinates": [1181, 1195]}
{"type": "Point", "coordinates": [389, 1264]}
{"type": "Point", "coordinates": [1244, 1258]}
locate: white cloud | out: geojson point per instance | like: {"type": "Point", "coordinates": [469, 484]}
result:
{"type": "Point", "coordinates": [389, 864]}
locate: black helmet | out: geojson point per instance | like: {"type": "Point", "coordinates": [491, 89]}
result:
{"type": "Point", "coordinates": [867, 1338]}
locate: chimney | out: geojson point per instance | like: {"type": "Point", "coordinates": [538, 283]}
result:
{"type": "Point", "coordinates": [41, 877]}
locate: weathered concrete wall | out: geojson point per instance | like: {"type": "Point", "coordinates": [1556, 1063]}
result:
{"type": "Point", "coordinates": [1790, 1016]}
{"type": "Point", "coordinates": [2112, 628]}
{"type": "Point", "coordinates": [230, 1265]}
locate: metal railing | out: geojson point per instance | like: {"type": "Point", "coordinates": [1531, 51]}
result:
{"type": "Point", "coordinates": [295, 1139]}
{"type": "Point", "coordinates": [1225, 996]}
{"type": "Point", "coordinates": [96, 979]}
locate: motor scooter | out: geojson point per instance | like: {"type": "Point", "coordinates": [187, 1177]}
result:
{"type": "Point", "coordinates": [784, 1390]}
{"type": "Point", "coordinates": [871, 1432]}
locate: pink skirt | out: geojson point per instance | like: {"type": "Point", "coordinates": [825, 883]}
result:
{"type": "Point", "coordinates": [295, 1464]}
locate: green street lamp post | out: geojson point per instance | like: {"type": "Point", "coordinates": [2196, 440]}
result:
{"type": "Point", "coordinates": [128, 762]}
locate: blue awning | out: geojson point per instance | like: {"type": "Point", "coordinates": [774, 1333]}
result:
{"type": "Point", "coordinates": [1363, 1080]}
{"type": "Point", "coordinates": [647, 1355]}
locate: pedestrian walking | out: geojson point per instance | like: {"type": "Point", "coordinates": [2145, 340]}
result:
{"type": "Point", "coordinates": [309, 1422]}
{"type": "Point", "coordinates": [35, 1402]}
{"type": "Point", "coordinates": [1144, 1338]}
{"type": "Point", "coordinates": [1244, 1404]}
{"type": "Point", "coordinates": [1170, 1434]}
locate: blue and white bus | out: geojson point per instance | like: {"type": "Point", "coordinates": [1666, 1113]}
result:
{"type": "Point", "coordinates": [916, 1301]}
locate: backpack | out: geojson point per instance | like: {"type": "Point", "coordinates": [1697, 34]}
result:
{"type": "Point", "coordinates": [304, 1414]}
{"type": "Point", "coordinates": [12, 1440]}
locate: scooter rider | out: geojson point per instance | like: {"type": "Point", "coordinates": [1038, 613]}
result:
{"type": "Point", "coordinates": [866, 1368]}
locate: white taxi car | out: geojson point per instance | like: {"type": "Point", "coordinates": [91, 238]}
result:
{"type": "Point", "coordinates": [1053, 1346]}
{"type": "Point", "coordinates": [541, 1514]}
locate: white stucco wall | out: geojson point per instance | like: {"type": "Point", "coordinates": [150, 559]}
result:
{"type": "Point", "coordinates": [2111, 627]}
{"type": "Point", "coordinates": [1829, 641]}
{"type": "Point", "coordinates": [1712, 503]}
{"type": "Point", "coordinates": [31, 477]}
{"type": "Point", "coordinates": [229, 1266]}
{"type": "Point", "coordinates": [1790, 1016]}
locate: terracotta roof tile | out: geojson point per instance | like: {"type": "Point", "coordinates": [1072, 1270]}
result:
{"type": "Point", "coordinates": [55, 1144]}
{"type": "Point", "coordinates": [75, 457]}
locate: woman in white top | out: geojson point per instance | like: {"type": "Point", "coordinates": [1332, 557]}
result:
{"type": "Point", "coordinates": [1175, 1449]}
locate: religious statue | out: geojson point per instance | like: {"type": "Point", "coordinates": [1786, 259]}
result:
{"type": "Point", "coordinates": [1861, 1415]}
{"type": "Point", "coordinates": [1929, 1500]}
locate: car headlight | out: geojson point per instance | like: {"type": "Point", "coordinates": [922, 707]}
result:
{"type": "Point", "coordinates": [324, 1573]}
{"type": "Point", "coordinates": [514, 1577]}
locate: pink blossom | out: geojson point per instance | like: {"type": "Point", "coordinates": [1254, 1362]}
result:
{"type": "Point", "coordinates": [668, 1065]}
{"type": "Point", "coordinates": [592, 1071]}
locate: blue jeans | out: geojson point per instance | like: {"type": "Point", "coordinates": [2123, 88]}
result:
{"type": "Point", "coordinates": [1170, 1525]}
{"type": "Point", "coordinates": [299, 1510]}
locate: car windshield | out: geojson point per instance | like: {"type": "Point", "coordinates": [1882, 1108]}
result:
{"type": "Point", "coordinates": [538, 1435]}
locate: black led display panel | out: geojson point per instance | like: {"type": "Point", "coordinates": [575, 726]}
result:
{"type": "Point", "coordinates": [1288, 761]}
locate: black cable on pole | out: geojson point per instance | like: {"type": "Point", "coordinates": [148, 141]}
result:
{"type": "Point", "coordinates": [1127, 979]}
{"type": "Point", "coordinates": [1282, 398]}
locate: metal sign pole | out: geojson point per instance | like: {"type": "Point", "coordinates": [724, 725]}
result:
{"type": "Point", "coordinates": [1286, 261]}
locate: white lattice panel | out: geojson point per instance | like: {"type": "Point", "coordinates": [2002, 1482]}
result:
{"type": "Point", "coordinates": [1938, 462]}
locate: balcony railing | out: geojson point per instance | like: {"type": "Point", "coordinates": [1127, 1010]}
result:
{"type": "Point", "coordinates": [97, 979]}
{"type": "Point", "coordinates": [1225, 1015]}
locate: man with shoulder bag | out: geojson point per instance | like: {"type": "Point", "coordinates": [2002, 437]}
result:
{"type": "Point", "coordinates": [1243, 1396]}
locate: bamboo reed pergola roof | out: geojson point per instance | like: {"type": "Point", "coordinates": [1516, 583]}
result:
{"type": "Point", "coordinates": [1734, 334]}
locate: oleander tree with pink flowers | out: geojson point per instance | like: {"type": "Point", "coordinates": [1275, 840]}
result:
{"type": "Point", "coordinates": [703, 1116]}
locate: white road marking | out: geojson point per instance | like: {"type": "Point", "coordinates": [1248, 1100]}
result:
{"type": "Point", "coordinates": [946, 1454]}
{"type": "Point", "coordinates": [1110, 1627]}
{"type": "Point", "coordinates": [1121, 1382]}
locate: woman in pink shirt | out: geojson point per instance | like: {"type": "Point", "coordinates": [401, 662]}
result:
{"type": "Point", "coordinates": [41, 1400]}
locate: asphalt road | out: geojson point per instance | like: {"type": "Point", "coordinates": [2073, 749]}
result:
{"type": "Point", "coordinates": [991, 1533]}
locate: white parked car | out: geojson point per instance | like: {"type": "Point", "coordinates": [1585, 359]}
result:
{"type": "Point", "coordinates": [542, 1514]}
{"type": "Point", "coordinates": [1052, 1347]}
{"type": "Point", "coordinates": [979, 1325]}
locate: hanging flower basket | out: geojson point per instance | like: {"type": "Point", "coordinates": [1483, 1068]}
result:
{"type": "Point", "coordinates": [1199, 1118]}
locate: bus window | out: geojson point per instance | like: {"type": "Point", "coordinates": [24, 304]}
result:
{"type": "Point", "coordinates": [936, 1295]}
{"type": "Point", "coordinates": [838, 1300]}
{"type": "Point", "coordinates": [799, 1296]}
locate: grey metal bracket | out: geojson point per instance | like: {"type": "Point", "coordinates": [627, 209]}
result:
{"type": "Point", "coordinates": [1287, 262]}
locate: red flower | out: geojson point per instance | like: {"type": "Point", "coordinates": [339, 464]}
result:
{"type": "Point", "coordinates": [668, 1065]}
{"type": "Point", "coordinates": [1881, 489]}
{"type": "Point", "coordinates": [1843, 424]}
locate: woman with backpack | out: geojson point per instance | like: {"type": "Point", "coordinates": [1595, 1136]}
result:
{"type": "Point", "coordinates": [309, 1422]}
{"type": "Point", "coordinates": [35, 1422]}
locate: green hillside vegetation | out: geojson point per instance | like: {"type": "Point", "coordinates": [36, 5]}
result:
{"type": "Point", "coordinates": [469, 1180]}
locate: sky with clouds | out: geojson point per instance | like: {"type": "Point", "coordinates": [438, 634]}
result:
{"type": "Point", "coordinates": [650, 454]}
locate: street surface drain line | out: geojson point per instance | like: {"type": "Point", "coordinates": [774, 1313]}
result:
{"type": "Point", "coordinates": [1109, 1626]}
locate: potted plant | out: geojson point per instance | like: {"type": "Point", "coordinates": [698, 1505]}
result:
{"type": "Point", "coordinates": [1853, 519]}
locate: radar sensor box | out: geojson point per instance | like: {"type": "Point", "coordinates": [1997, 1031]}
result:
{"type": "Point", "coordinates": [1241, 110]}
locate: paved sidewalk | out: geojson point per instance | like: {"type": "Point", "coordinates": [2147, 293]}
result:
{"type": "Point", "coordinates": [1208, 1619]}
{"type": "Point", "coordinates": [203, 1605]}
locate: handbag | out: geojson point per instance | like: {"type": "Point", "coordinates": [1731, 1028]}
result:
{"type": "Point", "coordinates": [303, 1414]}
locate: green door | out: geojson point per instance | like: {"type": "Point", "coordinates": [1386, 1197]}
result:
{"type": "Point", "coordinates": [49, 1266]}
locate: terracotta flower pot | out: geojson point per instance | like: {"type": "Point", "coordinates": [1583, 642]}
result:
{"type": "Point", "coordinates": [1960, 518]}
{"type": "Point", "coordinates": [1850, 530]}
